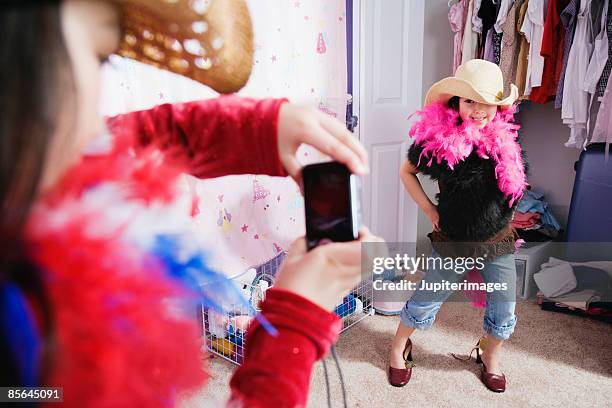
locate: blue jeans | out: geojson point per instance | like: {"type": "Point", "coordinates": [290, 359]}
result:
{"type": "Point", "coordinates": [499, 320]}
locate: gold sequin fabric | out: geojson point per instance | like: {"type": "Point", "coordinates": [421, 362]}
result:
{"type": "Point", "coordinates": [502, 243]}
{"type": "Point", "coordinates": [209, 41]}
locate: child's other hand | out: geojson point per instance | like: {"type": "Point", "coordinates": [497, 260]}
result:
{"type": "Point", "coordinates": [327, 273]}
{"type": "Point", "coordinates": [434, 217]}
{"type": "Point", "coordinates": [302, 124]}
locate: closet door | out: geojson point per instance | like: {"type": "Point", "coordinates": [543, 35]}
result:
{"type": "Point", "coordinates": [390, 38]}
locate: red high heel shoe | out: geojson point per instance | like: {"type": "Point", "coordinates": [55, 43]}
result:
{"type": "Point", "coordinates": [398, 377]}
{"type": "Point", "coordinates": [494, 382]}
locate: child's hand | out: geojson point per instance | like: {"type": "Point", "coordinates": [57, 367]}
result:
{"type": "Point", "coordinates": [434, 217]}
{"type": "Point", "coordinates": [301, 124]}
{"type": "Point", "coordinates": [327, 273]}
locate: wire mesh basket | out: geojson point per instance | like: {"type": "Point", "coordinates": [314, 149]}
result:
{"type": "Point", "coordinates": [225, 333]}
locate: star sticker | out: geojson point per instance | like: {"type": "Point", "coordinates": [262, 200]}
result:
{"type": "Point", "coordinates": [273, 58]}
{"type": "Point", "coordinates": [296, 4]}
{"type": "Point", "coordinates": [244, 228]}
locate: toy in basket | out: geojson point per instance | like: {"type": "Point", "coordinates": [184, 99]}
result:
{"type": "Point", "coordinates": [225, 333]}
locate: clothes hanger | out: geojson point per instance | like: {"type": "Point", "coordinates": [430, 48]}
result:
{"type": "Point", "coordinates": [451, 2]}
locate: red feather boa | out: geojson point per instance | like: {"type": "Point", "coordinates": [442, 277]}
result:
{"type": "Point", "coordinates": [118, 341]}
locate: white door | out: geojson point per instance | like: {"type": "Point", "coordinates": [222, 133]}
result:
{"type": "Point", "coordinates": [388, 38]}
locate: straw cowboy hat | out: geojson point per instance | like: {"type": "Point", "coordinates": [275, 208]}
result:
{"type": "Point", "coordinates": [479, 80]}
{"type": "Point", "coordinates": [210, 41]}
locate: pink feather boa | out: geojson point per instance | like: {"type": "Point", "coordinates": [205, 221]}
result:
{"type": "Point", "coordinates": [441, 138]}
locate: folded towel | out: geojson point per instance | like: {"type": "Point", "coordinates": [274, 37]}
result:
{"type": "Point", "coordinates": [556, 280]}
{"type": "Point", "coordinates": [603, 265]}
{"type": "Point", "coordinates": [579, 300]}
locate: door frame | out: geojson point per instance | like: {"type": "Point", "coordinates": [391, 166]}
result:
{"type": "Point", "coordinates": [357, 21]}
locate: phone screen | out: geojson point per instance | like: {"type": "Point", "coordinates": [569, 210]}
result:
{"type": "Point", "coordinates": [329, 195]}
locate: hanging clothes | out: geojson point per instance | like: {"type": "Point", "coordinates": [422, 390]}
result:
{"type": "Point", "coordinates": [523, 57]}
{"type": "Point", "coordinates": [533, 29]}
{"type": "Point", "coordinates": [553, 41]}
{"type": "Point", "coordinates": [511, 47]}
{"type": "Point", "coordinates": [598, 10]}
{"type": "Point", "coordinates": [477, 28]}
{"type": "Point", "coordinates": [488, 15]}
{"type": "Point", "coordinates": [470, 38]}
{"type": "Point", "coordinates": [557, 44]}
{"type": "Point", "coordinates": [603, 125]}
{"type": "Point", "coordinates": [568, 19]}
{"type": "Point", "coordinates": [497, 46]}
{"type": "Point", "coordinates": [476, 19]}
{"type": "Point", "coordinates": [597, 35]}
{"type": "Point", "coordinates": [489, 55]}
{"type": "Point", "coordinates": [575, 103]}
{"type": "Point", "coordinates": [502, 14]}
{"type": "Point", "coordinates": [456, 17]}
{"type": "Point", "coordinates": [603, 81]}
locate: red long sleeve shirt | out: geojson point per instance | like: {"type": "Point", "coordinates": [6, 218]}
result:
{"type": "Point", "coordinates": [214, 137]}
{"type": "Point", "coordinates": [232, 135]}
{"type": "Point", "coordinates": [223, 136]}
{"type": "Point", "coordinates": [277, 370]}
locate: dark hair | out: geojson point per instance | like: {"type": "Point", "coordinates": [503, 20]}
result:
{"type": "Point", "coordinates": [453, 103]}
{"type": "Point", "coordinates": [36, 82]}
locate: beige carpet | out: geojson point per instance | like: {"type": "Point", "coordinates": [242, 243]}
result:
{"type": "Point", "coordinates": [552, 360]}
